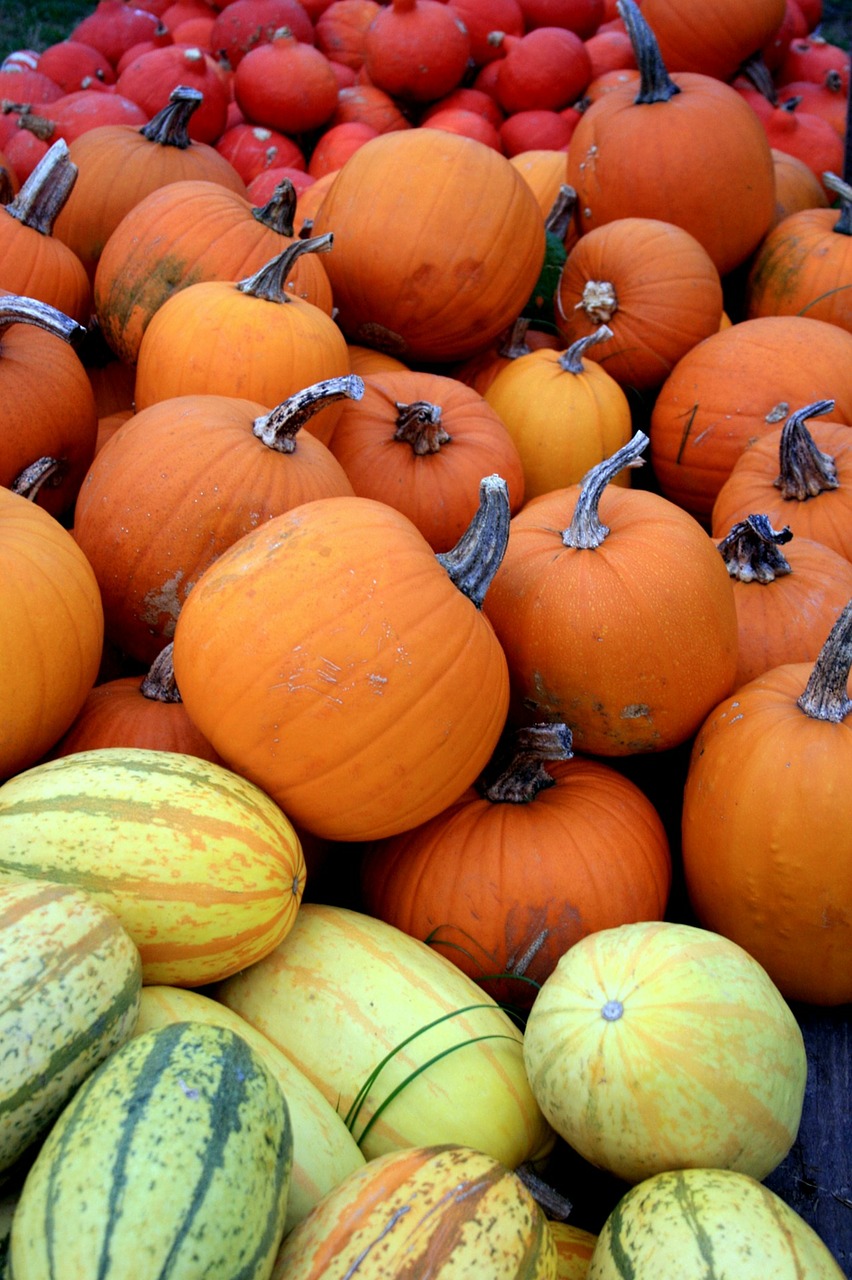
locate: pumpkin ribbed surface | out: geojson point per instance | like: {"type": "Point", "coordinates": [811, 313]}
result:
{"type": "Point", "coordinates": [71, 988]}
{"type": "Point", "coordinates": [446, 1212]}
{"type": "Point", "coordinates": [203, 870]}
{"type": "Point", "coordinates": [175, 1153]}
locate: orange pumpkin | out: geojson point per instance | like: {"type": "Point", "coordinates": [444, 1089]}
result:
{"type": "Point", "coordinates": [533, 858]}
{"type": "Point", "coordinates": [438, 244]}
{"type": "Point", "coordinates": [621, 622]}
{"type": "Point", "coordinates": [715, 38]}
{"type": "Point", "coordinates": [50, 645]}
{"type": "Point", "coordinates": [181, 482]}
{"type": "Point", "coordinates": [796, 186]}
{"type": "Point", "coordinates": [717, 181]}
{"type": "Point", "coordinates": [767, 822]}
{"type": "Point", "coordinates": [331, 656]}
{"type": "Point", "coordinates": [422, 442]}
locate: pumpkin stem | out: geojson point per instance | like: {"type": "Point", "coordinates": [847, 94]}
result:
{"type": "Point", "coordinates": [43, 473]}
{"type": "Point", "coordinates": [599, 301]}
{"type": "Point", "coordinates": [45, 191]}
{"type": "Point", "coordinates": [279, 212]}
{"type": "Point", "coordinates": [159, 684]}
{"type": "Point", "coordinates": [825, 696]}
{"type": "Point", "coordinates": [18, 309]}
{"type": "Point", "coordinates": [39, 126]}
{"type": "Point", "coordinates": [558, 220]}
{"type": "Point", "coordinates": [476, 557]}
{"type": "Point", "coordinates": [556, 1206]}
{"type": "Point", "coordinates": [571, 361]}
{"type": "Point", "coordinates": [269, 282]}
{"type": "Point", "coordinates": [758, 74]}
{"type": "Point", "coordinates": [525, 775]}
{"type": "Point", "coordinates": [843, 225]}
{"type": "Point", "coordinates": [277, 429]}
{"type": "Point", "coordinates": [655, 83]}
{"type": "Point", "coordinates": [751, 550]}
{"type": "Point", "coordinates": [805, 470]}
{"type": "Point", "coordinates": [419, 424]}
{"type": "Point", "coordinates": [586, 530]}
{"type": "Point", "coordinates": [515, 343]}
{"type": "Point", "coordinates": [169, 126]}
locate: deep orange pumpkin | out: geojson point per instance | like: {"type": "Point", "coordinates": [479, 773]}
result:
{"type": "Point", "coordinates": [715, 37]}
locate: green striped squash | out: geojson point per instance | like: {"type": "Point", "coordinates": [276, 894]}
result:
{"type": "Point", "coordinates": [202, 868]}
{"type": "Point", "coordinates": [698, 1224]}
{"type": "Point", "coordinates": [408, 1048]}
{"type": "Point", "coordinates": [69, 996]}
{"type": "Point", "coordinates": [446, 1213]}
{"type": "Point", "coordinates": [324, 1151]}
{"type": "Point", "coordinates": [172, 1162]}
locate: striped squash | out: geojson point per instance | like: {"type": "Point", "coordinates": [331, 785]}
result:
{"type": "Point", "coordinates": [204, 870]}
{"type": "Point", "coordinates": [574, 1249]}
{"type": "Point", "coordinates": [172, 1160]}
{"type": "Point", "coordinates": [407, 1047]}
{"type": "Point", "coordinates": [324, 1151]}
{"type": "Point", "coordinates": [69, 996]}
{"type": "Point", "coordinates": [444, 1212]}
{"type": "Point", "coordinates": [697, 1224]}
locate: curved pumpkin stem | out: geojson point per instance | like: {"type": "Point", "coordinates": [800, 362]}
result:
{"type": "Point", "coordinates": [825, 696]}
{"type": "Point", "coordinates": [170, 126]}
{"type": "Point", "coordinates": [515, 343]}
{"type": "Point", "coordinates": [526, 775]}
{"type": "Point", "coordinates": [559, 218]}
{"type": "Point", "coordinates": [760, 77]}
{"type": "Point", "coordinates": [476, 557]}
{"type": "Point", "coordinates": [43, 473]}
{"type": "Point", "coordinates": [571, 361]}
{"type": "Point", "coordinates": [655, 83]}
{"type": "Point", "coordinates": [268, 283]}
{"type": "Point", "coordinates": [279, 212]}
{"type": "Point", "coordinates": [586, 530]}
{"type": "Point", "coordinates": [43, 195]}
{"type": "Point", "coordinates": [159, 684]}
{"type": "Point", "coordinates": [751, 550]}
{"type": "Point", "coordinates": [843, 225]}
{"type": "Point", "coordinates": [277, 429]}
{"type": "Point", "coordinates": [18, 309]}
{"type": "Point", "coordinates": [419, 425]}
{"type": "Point", "coordinates": [805, 470]}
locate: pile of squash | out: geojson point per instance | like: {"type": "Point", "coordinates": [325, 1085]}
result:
{"type": "Point", "coordinates": [426, 587]}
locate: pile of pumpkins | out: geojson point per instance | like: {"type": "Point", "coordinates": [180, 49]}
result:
{"type": "Point", "coordinates": [426, 581]}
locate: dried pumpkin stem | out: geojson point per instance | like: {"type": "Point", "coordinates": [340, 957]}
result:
{"type": "Point", "coordinates": [159, 684]}
{"type": "Point", "coordinates": [554, 1204]}
{"type": "Point", "coordinates": [269, 282]}
{"type": "Point", "coordinates": [170, 126]}
{"type": "Point", "coordinates": [751, 550]}
{"type": "Point", "coordinates": [43, 473]}
{"type": "Point", "coordinates": [526, 774]}
{"type": "Point", "coordinates": [476, 557]}
{"type": "Point", "coordinates": [843, 225]}
{"type": "Point", "coordinates": [419, 424]}
{"type": "Point", "coordinates": [558, 220]}
{"type": "Point", "coordinates": [599, 301]}
{"type": "Point", "coordinates": [515, 343]}
{"type": "Point", "coordinates": [805, 470]}
{"type": "Point", "coordinates": [279, 212]}
{"type": "Point", "coordinates": [46, 190]}
{"type": "Point", "coordinates": [825, 696]}
{"type": "Point", "coordinates": [655, 83]}
{"type": "Point", "coordinates": [277, 429]}
{"type": "Point", "coordinates": [571, 361]}
{"type": "Point", "coordinates": [586, 530]}
{"type": "Point", "coordinates": [17, 309]}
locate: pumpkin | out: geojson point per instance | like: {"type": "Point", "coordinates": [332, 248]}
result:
{"type": "Point", "coordinates": [735, 386]}
{"type": "Point", "coordinates": [400, 1042]}
{"type": "Point", "coordinates": [334, 659]}
{"type": "Point", "coordinates": [616, 614]}
{"type": "Point", "coordinates": [430, 269]}
{"type": "Point", "coordinates": [574, 1249]}
{"type": "Point", "coordinates": [416, 50]}
{"type": "Point", "coordinates": [181, 482]}
{"type": "Point", "coordinates": [448, 1209]}
{"type": "Point", "coordinates": [541, 852]}
{"type": "Point", "coordinates": [721, 191]}
{"type": "Point", "coordinates": [798, 475]}
{"type": "Point", "coordinates": [50, 649]}
{"type": "Point", "coordinates": [669, 1223]}
{"type": "Point", "coordinates": [340, 30]}
{"type": "Point", "coordinates": [286, 84]}
{"type": "Point", "coordinates": [120, 164]}
{"type": "Point", "coordinates": [32, 261]}
{"type": "Point", "coordinates": [422, 442]}
{"type": "Point", "coordinates": [150, 77]}
{"type": "Point", "coordinates": [252, 338]}
{"type": "Point", "coordinates": [786, 603]}
{"type": "Point", "coordinates": [654, 287]}
{"type": "Point", "coordinates": [796, 186]}
{"type": "Point", "coordinates": [783, 740]}
{"type": "Point", "coordinates": [564, 412]}
{"type": "Point", "coordinates": [716, 40]}
{"type": "Point", "coordinates": [657, 1046]}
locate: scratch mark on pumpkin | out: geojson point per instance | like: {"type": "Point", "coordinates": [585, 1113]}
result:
{"type": "Point", "coordinates": [685, 436]}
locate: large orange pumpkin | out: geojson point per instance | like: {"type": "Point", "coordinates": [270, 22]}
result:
{"type": "Point", "coordinates": [439, 242]}
{"type": "Point", "coordinates": [332, 658]}
{"type": "Point", "coordinates": [715, 37]}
